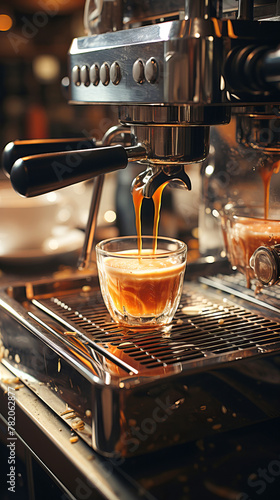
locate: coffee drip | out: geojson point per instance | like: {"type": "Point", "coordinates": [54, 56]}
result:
{"type": "Point", "coordinates": [137, 195]}
{"type": "Point", "coordinates": [266, 170]}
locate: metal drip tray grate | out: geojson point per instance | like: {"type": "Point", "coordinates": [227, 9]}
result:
{"type": "Point", "coordinates": [265, 298]}
{"type": "Point", "coordinates": [203, 332]}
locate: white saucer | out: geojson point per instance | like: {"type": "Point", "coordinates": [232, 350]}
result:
{"type": "Point", "coordinates": [63, 241]}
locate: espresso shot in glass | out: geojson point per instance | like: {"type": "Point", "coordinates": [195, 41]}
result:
{"type": "Point", "coordinates": [141, 289]}
{"type": "Point", "coordinates": [245, 229]}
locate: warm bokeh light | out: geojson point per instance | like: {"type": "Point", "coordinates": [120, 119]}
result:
{"type": "Point", "coordinates": [110, 216]}
{"type": "Point", "coordinates": [46, 67]}
{"type": "Point", "coordinates": [6, 22]}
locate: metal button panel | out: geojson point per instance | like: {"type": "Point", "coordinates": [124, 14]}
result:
{"type": "Point", "coordinates": [141, 72]}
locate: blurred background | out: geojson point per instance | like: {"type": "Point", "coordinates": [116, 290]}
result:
{"type": "Point", "coordinates": [35, 36]}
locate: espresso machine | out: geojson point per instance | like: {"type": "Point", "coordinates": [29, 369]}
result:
{"type": "Point", "coordinates": [174, 69]}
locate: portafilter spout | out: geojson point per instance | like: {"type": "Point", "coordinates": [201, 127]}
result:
{"type": "Point", "coordinates": [154, 177]}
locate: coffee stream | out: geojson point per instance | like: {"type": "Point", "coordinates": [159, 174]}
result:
{"type": "Point", "coordinates": [266, 172]}
{"type": "Point", "coordinates": [137, 195]}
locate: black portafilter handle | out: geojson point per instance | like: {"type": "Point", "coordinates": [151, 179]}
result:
{"type": "Point", "coordinates": [19, 149]}
{"type": "Point", "coordinates": [39, 174]}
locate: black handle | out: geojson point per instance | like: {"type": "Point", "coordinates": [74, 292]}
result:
{"type": "Point", "coordinates": [19, 149]}
{"type": "Point", "coordinates": [39, 174]}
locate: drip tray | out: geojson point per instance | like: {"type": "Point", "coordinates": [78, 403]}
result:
{"type": "Point", "coordinates": [213, 369]}
{"type": "Point", "coordinates": [203, 332]}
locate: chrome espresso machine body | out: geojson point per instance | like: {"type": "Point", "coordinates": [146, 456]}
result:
{"type": "Point", "coordinates": [174, 69]}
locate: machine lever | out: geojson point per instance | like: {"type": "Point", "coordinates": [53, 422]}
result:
{"type": "Point", "coordinates": [19, 149]}
{"type": "Point", "coordinates": [39, 174]}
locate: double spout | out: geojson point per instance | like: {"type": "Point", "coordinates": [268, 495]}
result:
{"type": "Point", "coordinates": [154, 177]}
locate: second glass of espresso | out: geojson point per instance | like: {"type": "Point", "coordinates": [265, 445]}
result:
{"type": "Point", "coordinates": [141, 286]}
{"type": "Point", "coordinates": [245, 229]}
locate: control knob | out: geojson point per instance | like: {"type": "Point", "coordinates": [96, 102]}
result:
{"type": "Point", "coordinates": [265, 263]}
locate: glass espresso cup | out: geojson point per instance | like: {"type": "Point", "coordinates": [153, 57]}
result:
{"type": "Point", "coordinates": [244, 230]}
{"type": "Point", "coordinates": [141, 289]}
